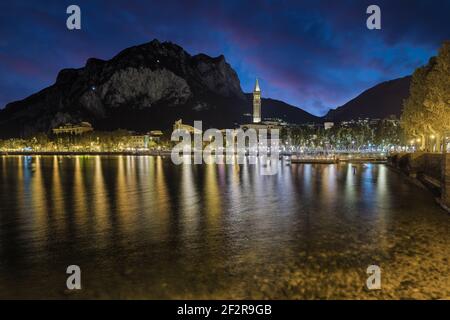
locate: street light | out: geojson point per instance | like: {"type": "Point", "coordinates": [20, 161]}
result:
{"type": "Point", "coordinates": [446, 142]}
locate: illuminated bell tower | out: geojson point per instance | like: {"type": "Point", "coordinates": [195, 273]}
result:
{"type": "Point", "coordinates": [257, 103]}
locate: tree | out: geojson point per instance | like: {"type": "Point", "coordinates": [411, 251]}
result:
{"type": "Point", "coordinates": [437, 98]}
{"type": "Point", "coordinates": [426, 112]}
{"type": "Point", "coordinates": [413, 117]}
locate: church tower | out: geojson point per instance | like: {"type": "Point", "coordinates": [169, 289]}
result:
{"type": "Point", "coordinates": [257, 103]}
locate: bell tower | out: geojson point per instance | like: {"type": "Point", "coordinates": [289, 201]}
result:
{"type": "Point", "coordinates": [257, 103]}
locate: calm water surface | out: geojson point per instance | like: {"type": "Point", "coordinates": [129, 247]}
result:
{"type": "Point", "coordinates": [141, 227]}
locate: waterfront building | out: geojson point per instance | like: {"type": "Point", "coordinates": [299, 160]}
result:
{"type": "Point", "coordinates": [257, 123]}
{"type": "Point", "coordinates": [138, 141]}
{"type": "Point", "coordinates": [155, 135]}
{"type": "Point", "coordinates": [74, 129]}
{"type": "Point", "coordinates": [262, 125]}
{"type": "Point", "coordinates": [179, 125]}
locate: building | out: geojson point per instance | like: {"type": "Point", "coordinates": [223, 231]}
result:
{"type": "Point", "coordinates": [263, 125]}
{"type": "Point", "coordinates": [155, 135]}
{"type": "Point", "coordinates": [178, 125]}
{"type": "Point", "coordinates": [257, 123]}
{"type": "Point", "coordinates": [257, 103]}
{"type": "Point", "coordinates": [74, 129]}
{"type": "Point", "coordinates": [277, 121]}
{"type": "Point", "coordinates": [328, 125]}
{"type": "Point", "coordinates": [138, 141]}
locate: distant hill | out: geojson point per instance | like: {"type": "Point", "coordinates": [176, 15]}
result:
{"type": "Point", "coordinates": [276, 109]}
{"type": "Point", "coordinates": [378, 102]}
{"type": "Point", "coordinates": [143, 87]}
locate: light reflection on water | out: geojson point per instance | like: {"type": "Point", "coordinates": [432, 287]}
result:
{"type": "Point", "coordinates": [143, 227]}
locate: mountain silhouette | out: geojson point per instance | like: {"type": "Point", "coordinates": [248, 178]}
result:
{"type": "Point", "coordinates": [142, 88]}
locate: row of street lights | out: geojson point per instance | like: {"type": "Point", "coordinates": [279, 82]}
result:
{"type": "Point", "coordinates": [432, 138]}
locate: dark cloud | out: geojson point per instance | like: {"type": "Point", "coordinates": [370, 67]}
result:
{"type": "Point", "coordinates": [313, 54]}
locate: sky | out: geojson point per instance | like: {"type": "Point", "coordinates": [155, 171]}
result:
{"type": "Point", "coordinates": [313, 54]}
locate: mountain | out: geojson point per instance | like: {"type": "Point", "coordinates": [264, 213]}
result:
{"type": "Point", "coordinates": [143, 87]}
{"type": "Point", "coordinates": [378, 102]}
{"type": "Point", "coordinates": [272, 109]}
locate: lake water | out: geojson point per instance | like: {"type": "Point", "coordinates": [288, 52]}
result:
{"type": "Point", "coordinates": [142, 227]}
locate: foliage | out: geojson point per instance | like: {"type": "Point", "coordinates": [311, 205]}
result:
{"type": "Point", "coordinates": [97, 141]}
{"type": "Point", "coordinates": [355, 135]}
{"type": "Point", "coordinates": [426, 112]}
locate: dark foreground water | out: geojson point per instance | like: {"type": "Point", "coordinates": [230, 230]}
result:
{"type": "Point", "coordinates": [141, 227]}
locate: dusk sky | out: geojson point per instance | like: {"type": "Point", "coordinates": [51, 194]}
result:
{"type": "Point", "coordinates": [313, 54]}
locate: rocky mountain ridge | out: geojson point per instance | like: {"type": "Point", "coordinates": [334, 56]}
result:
{"type": "Point", "coordinates": [151, 85]}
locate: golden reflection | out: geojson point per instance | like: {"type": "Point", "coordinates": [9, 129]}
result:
{"type": "Point", "coordinates": [20, 179]}
{"type": "Point", "coordinates": [155, 199]}
{"type": "Point", "coordinates": [189, 197]}
{"type": "Point", "coordinates": [257, 170]}
{"type": "Point", "coordinates": [350, 182]}
{"type": "Point", "coordinates": [245, 175]}
{"type": "Point", "coordinates": [233, 184]}
{"type": "Point", "coordinates": [162, 194]}
{"type": "Point", "coordinates": [382, 184]}
{"type": "Point", "coordinates": [130, 164]}
{"type": "Point", "coordinates": [4, 171]}
{"type": "Point", "coordinates": [57, 195]}
{"type": "Point", "coordinates": [147, 182]}
{"type": "Point", "coordinates": [121, 184]}
{"type": "Point", "coordinates": [101, 203]}
{"type": "Point", "coordinates": [307, 171]}
{"type": "Point", "coordinates": [126, 193]}
{"type": "Point", "coordinates": [23, 195]}
{"type": "Point", "coordinates": [212, 195]}
{"type": "Point", "coordinates": [383, 200]}
{"type": "Point", "coordinates": [121, 187]}
{"type": "Point", "coordinates": [329, 183]}
{"type": "Point", "coordinates": [80, 201]}
{"type": "Point", "coordinates": [39, 213]}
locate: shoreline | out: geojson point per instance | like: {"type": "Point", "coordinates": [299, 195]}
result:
{"type": "Point", "coordinates": [422, 181]}
{"type": "Point", "coordinates": [169, 152]}
{"type": "Point", "coordinates": [84, 153]}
